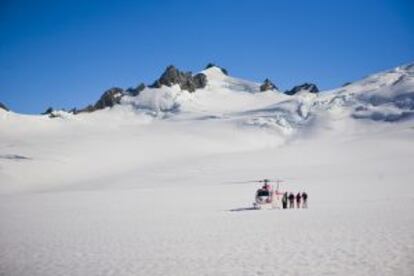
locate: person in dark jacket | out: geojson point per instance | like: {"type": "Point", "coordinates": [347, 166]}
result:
{"type": "Point", "coordinates": [298, 200]}
{"type": "Point", "coordinates": [285, 200]}
{"type": "Point", "coordinates": [291, 200]}
{"type": "Point", "coordinates": [305, 200]}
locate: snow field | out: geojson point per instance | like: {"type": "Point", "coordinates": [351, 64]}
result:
{"type": "Point", "coordinates": [152, 187]}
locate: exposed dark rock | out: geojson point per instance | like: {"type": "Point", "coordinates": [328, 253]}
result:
{"type": "Point", "coordinates": [346, 84]}
{"type": "Point", "coordinates": [52, 113]}
{"type": "Point", "coordinates": [170, 77]}
{"type": "Point", "coordinates": [135, 91]}
{"type": "Point", "coordinates": [156, 84]}
{"type": "Point", "coordinates": [2, 106]}
{"type": "Point", "coordinates": [48, 111]}
{"type": "Point", "coordinates": [110, 98]}
{"type": "Point", "coordinates": [310, 87]}
{"type": "Point", "coordinates": [401, 79]}
{"type": "Point", "coordinates": [89, 108]}
{"type": "Point", "coordinates": [268, 85]}
{"type": "Point", "coordinates": [225, 72]}
{"type": "Point", "coordinates": [185, 80]}
{"type": "Point", "coordinates": [200, 80]}
{"type": "Point", "coordinates": [208, 66]}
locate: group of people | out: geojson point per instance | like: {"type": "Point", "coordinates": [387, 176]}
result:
{"type": "Point", "coordinates": [289, 199]}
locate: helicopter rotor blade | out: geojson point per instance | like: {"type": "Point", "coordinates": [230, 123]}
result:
{"type": "Point", "coordinates": [276, 180]}
{"type": "Point", "coordinates": [244, 182]}
{"type": "Point", "coordinates": [239, 182]}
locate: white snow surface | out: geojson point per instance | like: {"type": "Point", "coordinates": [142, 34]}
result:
{"type": "Point", "coordinates": [155, 186]}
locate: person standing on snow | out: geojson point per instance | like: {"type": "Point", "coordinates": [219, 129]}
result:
{"type": "Point", "coordinates": [298, 200]}
{"type": "Point", "coordinates": [305, 200]}
{"type": "Point", "coordinates": [285, 200]}
{"type": "Point", "coordinates": [291, 200]}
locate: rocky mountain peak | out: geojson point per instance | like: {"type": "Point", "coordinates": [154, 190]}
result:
{"type": "Point", "coordinates": [110, 98]}
{"type": "Point", "coordinates": [268, 85]}
{"type": "Point", "coordinates": [2, 106]}
{"type": "Point", "coordinates": [185, 80]}
{"type": "Point", "coordinates": [223, 70]}
{"type": "Point", "coordinates": [309, 87]}
{"type": "Point", "coordinates": [48, 111]}
{"type": "Point", "coordinates": [135, 91]}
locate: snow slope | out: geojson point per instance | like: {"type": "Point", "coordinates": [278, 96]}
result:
{"type": "Point", "coordinates": [150, 187]}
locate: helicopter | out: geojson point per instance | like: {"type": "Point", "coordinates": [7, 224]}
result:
{"type": "Point", "coordinates": [267, 196]}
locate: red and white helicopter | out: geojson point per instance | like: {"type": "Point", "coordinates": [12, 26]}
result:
{"type": "Point", "coordinates": [268, 196]}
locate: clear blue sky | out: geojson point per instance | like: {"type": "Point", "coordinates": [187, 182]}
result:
{"type": "Point", "coordinates": [66, 53]}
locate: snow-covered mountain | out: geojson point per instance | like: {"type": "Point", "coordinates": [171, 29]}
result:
{"type": "Point", "coordinates": [221, 108]}
{"type": "Point", "coordinates": [386, 96]}
{"type": "Point", "coordinates": [151, 180]}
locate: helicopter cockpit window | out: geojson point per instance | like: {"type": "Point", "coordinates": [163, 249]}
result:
{"type": "Point", "coordinates": [263, 193]}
